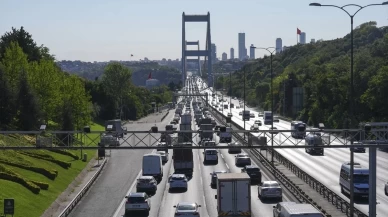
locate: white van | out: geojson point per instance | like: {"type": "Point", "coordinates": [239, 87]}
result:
{"type": "Point", "coordinates": [210, 155]}
{"type": "Point", "coordinates": [152, 166]}
{"type": "Point", "coordinates": [361, 179]}
{"type": "Point", "coordinates": [300, 210]}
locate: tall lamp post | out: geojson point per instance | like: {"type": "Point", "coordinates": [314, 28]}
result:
{"type": "Point", "coordinates": [371, 212]}
{"type": "Point", "coordinates": [271, 50]}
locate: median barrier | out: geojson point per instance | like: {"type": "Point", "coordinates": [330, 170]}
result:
{"type": "Point", "coordinates": [164, 116]}
{"type": "Point", "coordinates": [66, 212]}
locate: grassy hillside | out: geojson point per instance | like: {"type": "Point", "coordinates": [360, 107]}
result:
{"type": "Point", "coordinates": [36, 178]}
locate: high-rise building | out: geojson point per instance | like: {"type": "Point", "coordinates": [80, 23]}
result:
{"type": "Point", "coordinates": [224, 56]}
{"type": "Point", "coordinates": [242, 51]}
{"type": "Point", "coordinates": [278, 45]}
{"type": "Point", "coordinates": [214, 53]}
{"type": "Point", "coordinates": [312, 40]}
{"type": "Point", "coordinates": [232, 53]}
{"type": "Point", "coordinates": [252, 52]}
{"type": "Point", "coordinates": [302, 38]}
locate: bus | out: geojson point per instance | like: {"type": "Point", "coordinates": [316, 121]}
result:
{"type": "Point", "coordinates": [267, 117]}
{"type": "Point", "coordinates": [360, 179]}
{"type": "Point", "coordinates": [299, 129]}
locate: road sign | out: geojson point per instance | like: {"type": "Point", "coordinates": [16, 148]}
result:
{"type": "Point", "coordinates": [9, 206]}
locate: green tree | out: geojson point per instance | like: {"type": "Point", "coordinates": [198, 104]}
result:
{"type": "Point", "coordinates": [14, 61]}
{"type": "Point", "coordinates": [7, 102]}
{"type": "Point", "coordinates": [28, 116]}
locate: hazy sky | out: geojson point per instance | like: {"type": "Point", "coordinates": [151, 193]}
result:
{"type": "Point", "coordinates": [101, 30]}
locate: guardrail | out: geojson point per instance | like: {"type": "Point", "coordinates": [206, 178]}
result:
{"type": "Point", "coordinates": [66, 212]}
{"type": "Point", "coordinates": [326, 193]}
{"type": "Point", "coordinates": [164, 116]}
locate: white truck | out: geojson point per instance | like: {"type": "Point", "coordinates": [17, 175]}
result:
{"type": "Point", "coordinates": [300, 210]}
{"type": "Point", "coordinates": [152, 166]}
{"type": "Point", "coordinates": [226, 137]}
{"type": "Point", "coordinates": [233, 195]}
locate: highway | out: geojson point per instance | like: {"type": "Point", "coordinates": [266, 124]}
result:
{"type": "Point", "coordinates": [325, 168]}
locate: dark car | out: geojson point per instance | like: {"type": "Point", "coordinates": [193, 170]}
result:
{"type": "Point", "coordinates": [253, 172]}
{"type": "Point", "coordinates": [213, 182]}
{"type": "Point", "coordinates": [358, 149]}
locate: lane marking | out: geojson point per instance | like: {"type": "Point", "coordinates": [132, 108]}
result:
{"type": "Point", "coordinates": [222, 155]}
{"type": "Point", "coordinates": [227, 166]}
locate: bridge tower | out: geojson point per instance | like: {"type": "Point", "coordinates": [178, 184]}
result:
{"type": "Point", "coordinates": [197, 61]}
{"type": "Point", "coordinates": [196, 53]}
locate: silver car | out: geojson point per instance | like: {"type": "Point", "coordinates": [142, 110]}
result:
{"type": "Point", "coordinates": [146, 184]}
{"type": "Point", "coordinates": [164, 156]}
{"type": "Point", "coordinates": [242, 159]}
{"type": "Point", "coordinates": [187, 209]}
{"type": "Point", "coordinates": [270, 189]}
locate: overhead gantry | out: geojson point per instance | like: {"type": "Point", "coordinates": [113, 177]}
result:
{"type": "Point", "coordinates": [196, 53]}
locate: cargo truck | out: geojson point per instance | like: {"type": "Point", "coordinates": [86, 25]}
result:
{"type": "Point", "coordinates": [226, 136]}
{"type": "Point", "coordinates": [204, 134]}
{"type": "Point", "coordinates": [246, 114]}
{"type": "Point", "coordinates": [233, 195]}
{"type": "Point", "coordinates": [185, 136]}
{"type": "Point", "coordinates": [114, 127]}
{"type": "Point", "coordinates": [186, 118]}
{"type": "Point", "coordinates": [183, 159]}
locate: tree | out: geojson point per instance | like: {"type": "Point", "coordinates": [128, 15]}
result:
{"type": "Point", "coordinates": [7, 103]}
{"type": "Point", "coordinates": [171, 86]}
{"type": "Point", "coordinates": [25, 41]}
{"type": "Point", "coordinates": [14, 61]}
{"type": "Point", "coordinates": [28, 116]}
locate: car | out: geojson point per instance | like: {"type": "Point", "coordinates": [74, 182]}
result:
{"type": "Point", "coordinates": [255, 127]}
{"type": "Point", "coordinates": [230, 115]}
{"type": "Point", "coordinates": [278, 208]}
{"type": "Point", "coordinates": [386, 188]}
{"type": "Point", "coordinates": [173, 122]}
{"type": "Point", "coordinates": [270, 189]}
{"type": "Point", "coordinates": [261, 114]}
{"type": "Point", "coordinates": [187, 209]}
{"type": "Point", "coordinates": [253, 172]}
{"type": "Point", "coordinates": [162, 146]}
{"type": "Point", "coordinates": [358, 149]}
{"type": "Point", "coordinates": [234, 149]}
{"type": "Point", "coordinates": [237, 107]}
{"type": "Point", "coordinates": [146, 184]}
{"type": "Point", "coordinates": [137, 202]}
{"type": "Point", "coordinates": [240, 113]}
{"type": "Point", "coordinates": [251, 115]}
{"type": "Point", "coordinates": [178, 181]}
{"type": "Point", "coordinates": [213, 182]}
{"type": "Point", "coordinates": [258, 122]}
{"type": "Point", "coordinates": [242, 159]}
{"type": "Point", "coordinates": [164, 156]}
{"type": "Point", "coordinates": [275, 118]}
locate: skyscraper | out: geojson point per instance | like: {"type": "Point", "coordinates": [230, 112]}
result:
{"type": "Point", "coordinates": [242, 53]}
{"type": "Point", "coordinates": [302, 38]}
{"type": "Point", "coordinates": [214, 53]}
{"type": "Point", "coordinates": [278, 45]}
{"type": "Point", "coordinates": [252, 52]}
{"type": "Point", "coordinates": [224, 56]}
{"type": "Point", "coordinates": [232, 53]}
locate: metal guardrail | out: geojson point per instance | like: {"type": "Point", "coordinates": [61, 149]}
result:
{"type": "Point", "coordinates": [66, 212]}
{"type": "Point", "coordinates": [164, 116]}
{"type": "Point", "coordinates": [326, 193]}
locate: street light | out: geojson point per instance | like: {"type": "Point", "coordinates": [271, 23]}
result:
{"type": "Point", "coordinates": [272, 112]}
{"type": "Point", "coordinates": [351, 90]}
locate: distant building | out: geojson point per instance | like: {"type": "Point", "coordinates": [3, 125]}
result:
{"type": "Point", "coordinates": [252, 52]}
{"type": "Point", "coordinates": [278, 45]}
{"type": "Point", "coordinates": [312, 40]}
{"type": "Point", "coordinates": [242, 51]}
{"type": "Point", "coordinates": [302, 38]}
{"type": "Point", "coordinates": [224, 56]}
{"type": "Point", "coordinates": [231, 53]}
{"type": "Point", "coordinates": [151, 83]}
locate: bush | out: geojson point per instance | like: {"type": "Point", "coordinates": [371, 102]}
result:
{"type": "Point", "coordinates": [63, 164]}
{"type": "Point", "coordinates": [64, 152]}
{"type": "Point", "coordinates": [42, 185]}
{"type": "Point", "coordinates": [51, 174]}
{"type": "Point", "coordinates": [14, 177]}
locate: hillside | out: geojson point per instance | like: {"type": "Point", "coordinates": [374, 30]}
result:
{"type": "Point", "coordinates": [323, 71]}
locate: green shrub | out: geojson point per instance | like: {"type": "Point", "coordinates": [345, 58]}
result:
{"type": "Point", "coordinates": [64, 152]}
{"type": "Point", "coordinates": [42, 185]}
{"type": "Point", "coordinates": [49, 174]}
{"type": "Point", "coordinates": [14, 177]}
{"type": "Point", "coordinates": [63, 164]}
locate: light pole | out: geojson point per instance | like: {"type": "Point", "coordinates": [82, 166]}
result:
{"type": "Point", "coordinates": [272, 113]}
{"type": "Point", "coordinates": [351, 94]}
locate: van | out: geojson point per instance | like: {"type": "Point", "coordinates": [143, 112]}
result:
{"type": "Point", "coordinates": [314, 140]}
{"type": "Point", "coordinates": [152, 166]}
{"type": "Point", "coordinates": [299, 210]}
{"type": "Point", "coordinates": [360, 182]}
{"type": "Point", "coordinates": [115, 128]}
{"type": "Point", "coordinates": [210, 155]}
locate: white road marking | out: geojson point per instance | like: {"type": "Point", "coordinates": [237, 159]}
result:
{"type": "Point", "coordinates": [226, 165]}
{"type": "Point", "coordinates": [222, 155]}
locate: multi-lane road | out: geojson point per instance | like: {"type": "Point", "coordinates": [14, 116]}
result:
{"type": "Point", "coordinates": [325, 168]}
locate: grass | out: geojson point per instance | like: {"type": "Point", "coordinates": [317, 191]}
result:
{"type": "Point", "coordinates": [26, 202]}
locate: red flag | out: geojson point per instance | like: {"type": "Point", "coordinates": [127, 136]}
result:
{"type": "Point", "coordinates": [298, 31]}
{"type": "Point", "coordinates": [149, 76]}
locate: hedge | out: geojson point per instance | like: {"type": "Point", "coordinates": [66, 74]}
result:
{"type": "Point", "coordinates": [14, 177]}
{"type": "Point", "coordinates": [63, 164]}
{"type": "Point", "coordinates": [64, 152]}
{"type": "Point", "coordinates": [42, 185]}
{"type": "Point", "coordinates": [51, 174]}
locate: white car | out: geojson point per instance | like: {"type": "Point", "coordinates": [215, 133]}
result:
{"type": "Point", "coordinates": [187, 209]}
{"type": "Point", "coordinates": [164, 156]}
{"type": "Point", "coordinates": [146, 184]}
{"type": "Point", "coordinates": [242, 159]}
{"type": "Point", "coordinates": [178, 181]}
{"type": "Point", "coordinates": [270, 189]}
{"type": "Point", "coordinates": [137, 202]}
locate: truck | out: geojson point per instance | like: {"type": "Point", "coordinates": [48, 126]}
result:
{"type": "Point", "coordinates": [178, 111]}
{"type": "Point", "coordinates": [206, 127]}
{"type": "Point", "coordinates": [152, 166]}
{"type": "Point", "coordinates": [231, 105]}
{"type": "Point", "coordinates": [225, 106]}
{"type": "Point", "coordinates": [226, 137]}
{"type": "Point", "coordinates": [185, 136]}
{"type": "Point", "coordinates": [246, 115]}
{"type": "Point", "coordinates": [186, 118]}
{"type": "Point", "coordinates": [267, 116]}
{"type": "Point", "coordinates": [233, 195]}
{"type": "Point", "coordinates": [183, 159]}
{"type": "Point", "coordinates": [299, 129]}
{"type": "Point", "coordinates": [299, 210]}
{"type": "Point", "coordinates": [313, 140]}
{"type": "Point", "coordinates": [115, 128]}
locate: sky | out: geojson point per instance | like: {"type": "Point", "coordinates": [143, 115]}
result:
{"type": "Point", "coordinates": [103, 30]}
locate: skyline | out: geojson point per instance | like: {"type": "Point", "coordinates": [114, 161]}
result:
{"type": "Point", "coordinates": [103, 31]}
